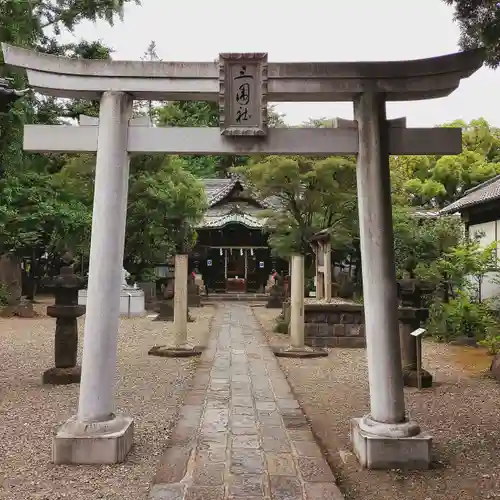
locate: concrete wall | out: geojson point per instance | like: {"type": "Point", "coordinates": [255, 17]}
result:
{"type": "Point", "coordinates": [491, 232]}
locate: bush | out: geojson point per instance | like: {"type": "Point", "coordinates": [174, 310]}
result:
{"type": "Point", "coordinates": [491, 342]}
{"type": "Point", "coordinates": [146, 275]}
{"type": "Point", "coordinates": [281, 326]}
{"type": "Point", "coordinates": [461, 317]}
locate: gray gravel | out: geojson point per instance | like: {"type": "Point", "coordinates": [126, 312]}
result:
{"type": "Point", "coordinates": [149, 389]}
{"type": "Point", "coordinates": [460, 412]}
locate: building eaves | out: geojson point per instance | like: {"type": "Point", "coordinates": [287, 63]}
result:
{"type": "Point", "coordinates": [482, 193]}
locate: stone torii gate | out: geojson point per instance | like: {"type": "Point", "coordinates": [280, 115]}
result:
{"type": "Point", "coordinates": [243, 84]}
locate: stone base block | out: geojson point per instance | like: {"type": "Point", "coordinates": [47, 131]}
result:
{"type": "Point", "coordinates": [342, 342]}
{"type": "Point", "coordinates": [25, 310]}
{"type": "Point", "coordinates": [274, 303]}
{"type": "Point", "coordinates": [495, 367]}
{"type": "Point", "coordinates": [175, 352]}
{"type": "Point", "coordinates": [62, 376]}
{"type": "Point", "coordinates": [93, 443]}
{"type": "Point", "coordinates": [194, 301]}
{"type": "Point", "coordinates": [132, 301]}
{"type": "Point", "coordinates": [299, 352]}
{"type": "Point", "coordinates": [381, 452]}
{"type": "Point", "coordinates": [410, 378]}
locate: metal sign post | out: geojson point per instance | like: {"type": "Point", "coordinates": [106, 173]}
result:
{"type": "Point", "coordinates": [418, 339]}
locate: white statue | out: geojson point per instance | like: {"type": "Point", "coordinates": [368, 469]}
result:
{"type": "Point", "coordinates": [125, 276]}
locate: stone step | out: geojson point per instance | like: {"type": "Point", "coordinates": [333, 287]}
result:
{"type": "Point", "coordinates": [236, 297]}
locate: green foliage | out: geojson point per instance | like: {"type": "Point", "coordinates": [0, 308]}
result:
{"type": "Point", "coordinates": [491, 342]}
{"type": "Point", "coordinates": [314, 194]}
{"type": "Point", "coordinates": [462, 316]}
{"type": "Point", "coordinates": [32, 21]}
{"type": "Point", "coordinates": [34, 214]}
{"type": "Point", "coordinates": [462, 268]}
{"type": "Point", "coordinates": [205, 114]}
{"type": "Point", "coordinates": [434, 182]}
{"type": "Point", "coordinates": [147, 275]}
{"type": "Point", "coordinates": [163, 199]}
{"type": "Point", "coordinates": [420, 242]}
{"type": "Point", "coordinates": [36, 24]}
{"type": "Point", "coordinates": [479, 22]}
{"type": "Point", "coordinates": [466, 265]}
{"type": "Point", "coordinates": [281, 326]}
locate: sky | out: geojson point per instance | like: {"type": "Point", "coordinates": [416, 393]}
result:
{"type": "Point", "coordinates": [315, 30]}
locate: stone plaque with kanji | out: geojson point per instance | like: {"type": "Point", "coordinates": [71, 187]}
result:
{"type": "Point", "coordinates": [243, 94]}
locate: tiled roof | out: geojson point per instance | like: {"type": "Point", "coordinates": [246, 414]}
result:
{"type": "Point", "coordinates": [487, 191]}
{"type": "Point", "coordinates": [217, 189]}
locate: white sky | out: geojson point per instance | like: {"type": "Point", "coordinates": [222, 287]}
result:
{"type": "Point", "coordinates": [315, 30]}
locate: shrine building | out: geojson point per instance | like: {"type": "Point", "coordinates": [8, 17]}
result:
{"type": "Point", "coordinates": [232, 252]}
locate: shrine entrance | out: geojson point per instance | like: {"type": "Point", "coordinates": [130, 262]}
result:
{"type": "Point", "coordinates": [243, 84]}
{"type": "Point", "coordinates": [232, 251]}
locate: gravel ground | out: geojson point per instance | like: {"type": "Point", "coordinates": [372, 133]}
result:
{"type": "Point", "coordinates": [460, 412]}
{"type": "Point", "coordinates": [148, 388]}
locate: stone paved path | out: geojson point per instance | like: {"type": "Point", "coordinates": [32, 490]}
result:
{"type": "Point", "coordinates": [241, 434]}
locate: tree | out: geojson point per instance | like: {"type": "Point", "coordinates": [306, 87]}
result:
{"type": "Point", "coordinates": [31, 22]}
{"type": "Point", "coordinates": [193, 114]}
{"type": "Point", "coordinates": [163, 199]}
{"type": "Point", "coordinates": [33, 215]}
{"type": "Point", "coordinates": [37, 24]}
{"type": "Point", "coordinates": [36, 217]}
{"type": "Point", "coordinates": [479, 22]}
{"type": "Point", "coordinates": [436, 181]}
{"type": "Point", "coordinates": [468, 263]}
{"type": "Point", "coordinates": [309, 195]}
{"type": "Point", "coordinates": [205, 114]}
{"type": "Point", "coordinates": [419, 242]}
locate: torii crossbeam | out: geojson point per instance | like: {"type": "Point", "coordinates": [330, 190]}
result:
{"type": "Point", "coordinates": [243, 84]}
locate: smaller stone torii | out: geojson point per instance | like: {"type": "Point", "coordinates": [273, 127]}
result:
{"type": "Point", "coordinates": [243, 84]}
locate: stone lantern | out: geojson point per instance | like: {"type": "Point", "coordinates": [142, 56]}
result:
{"type": "Point", "coordinates": [412, 313]}
{"type": "Point", "coordinates": [66, 311]}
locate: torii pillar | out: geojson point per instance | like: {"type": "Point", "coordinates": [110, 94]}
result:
{"type": "Point", "coordinates": [96, 434]}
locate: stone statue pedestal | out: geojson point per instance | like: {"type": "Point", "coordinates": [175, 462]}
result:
{"type": "Point", "coordinates": [300, 352]}
{"type": "Point", "coordinates": [276, 296]}
{"type": "Point", "coordinates": [166, 311]}
{"type": "Point", "coordinates": [181, 351]}
{"type": "Point", "coordinates": [193, 294]}
{"type": "Point", "coordinates": [132, 301]}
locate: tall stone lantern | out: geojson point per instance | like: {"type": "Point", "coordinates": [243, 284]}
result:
{"type": "Point", "coordinates": [66, 311]}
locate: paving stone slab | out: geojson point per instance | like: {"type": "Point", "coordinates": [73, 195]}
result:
{"type": "Point", "coordinates": [205, 493]}
{"type": "Point", "coordinates": [280, 464]}
{"type": "Point", "coordinates": [323, 491]}
{"type": "Point", "coordinates": [241, 433]}
{"type": "Point", "coordinates": [245, 485]}
{"type": "Point", "coordinates": [167, 492]}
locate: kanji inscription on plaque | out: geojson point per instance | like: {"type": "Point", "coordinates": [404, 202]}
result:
{"type": "Point", "coordinates": [243, 94]}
